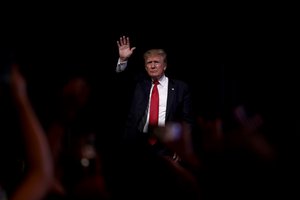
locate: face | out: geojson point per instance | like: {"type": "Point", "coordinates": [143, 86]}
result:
{"type": "Point", "coordinates": [76, 91]}
{"type": "Point", "coordinates": [155, 66]}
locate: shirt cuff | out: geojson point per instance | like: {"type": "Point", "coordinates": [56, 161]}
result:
{"type": "Point", "coordinates": [121, 66]}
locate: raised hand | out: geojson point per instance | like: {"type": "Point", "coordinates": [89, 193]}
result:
{"type": "Point", "coordinates": [124, 48]}
{"type": "Point", "coordinates": [36, 184]}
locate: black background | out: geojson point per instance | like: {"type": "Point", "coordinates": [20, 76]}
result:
{"type": "Point", "coordinates": [227, 54]}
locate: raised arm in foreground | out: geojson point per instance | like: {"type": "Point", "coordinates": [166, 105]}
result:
{"type": "Point", "coordinates": [40, 166]}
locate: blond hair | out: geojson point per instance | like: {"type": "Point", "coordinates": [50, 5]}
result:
{"type": "Point", "coordinates": [155, 52]}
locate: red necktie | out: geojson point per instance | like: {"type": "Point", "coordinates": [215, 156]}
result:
{"type": "Point", "coordinates": [154, 103]}
{"type": "Point", "coordinates": [153, 116]}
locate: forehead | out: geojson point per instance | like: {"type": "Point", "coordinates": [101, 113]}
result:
{"type": "Point", "coordinates": [154, 57]}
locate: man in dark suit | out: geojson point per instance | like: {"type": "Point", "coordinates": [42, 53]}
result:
{"type": "Point", "coordinates": [174, 97]}
{"type": "Point", "coordinates": [147, 156]}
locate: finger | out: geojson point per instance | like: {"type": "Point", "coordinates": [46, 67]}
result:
{"type": "Point", "coordinates": [123, 40]}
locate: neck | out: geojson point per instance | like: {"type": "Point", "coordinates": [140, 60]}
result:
{"type": "Point", "coordinates": [157, 78]}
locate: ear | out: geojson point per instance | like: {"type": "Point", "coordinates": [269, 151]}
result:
{"type": "Point", "coordinates": [165, 68]}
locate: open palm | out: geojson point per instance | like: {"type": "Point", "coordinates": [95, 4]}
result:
{"type": "Point", "coordinates": [124, 48]}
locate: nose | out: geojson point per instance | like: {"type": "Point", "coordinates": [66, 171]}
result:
{"type": "Point", "coordinates": [153, 64]}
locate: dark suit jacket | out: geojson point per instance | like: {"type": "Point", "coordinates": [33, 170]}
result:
{"type": "Point", "coordinates": [178, 107]}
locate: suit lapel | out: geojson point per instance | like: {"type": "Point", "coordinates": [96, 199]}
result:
{"type": "Point", "coordinates": [171, 94]}
{"type": "Point", "coordinates": [143, 109]}
{"type": "Point", "coordinates": [148, 88]}
{"type": "Point", "coordinates": [145, 94]}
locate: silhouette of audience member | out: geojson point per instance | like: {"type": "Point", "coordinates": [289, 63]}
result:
{"type": "Point", "coordinates": [238, 157]}
{"type": "Point", "coordinates": [37, 167]}
{"type": "Point", "coordinates": [73, 136]}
